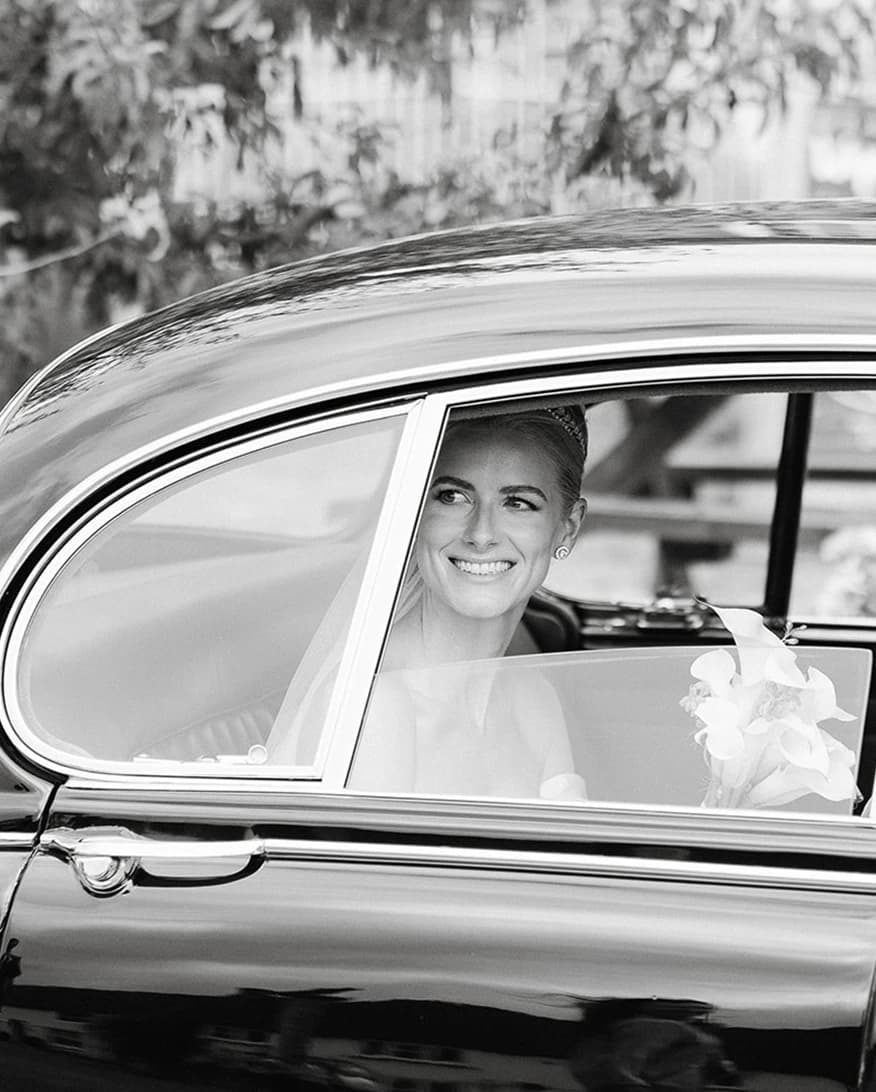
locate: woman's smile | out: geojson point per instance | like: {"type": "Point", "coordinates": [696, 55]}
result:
{"type": "Point", "coordinates": [481, 568]}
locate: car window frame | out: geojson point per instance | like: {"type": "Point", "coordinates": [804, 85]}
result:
{"type": "Point", "coordinates": [611, 379]}
{"type": "Point", "coordinates": [418, 448]}
{"type": "Point", "coordinates": [173, 471]}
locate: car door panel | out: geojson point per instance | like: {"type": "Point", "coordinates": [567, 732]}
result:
{"type": "Point", "coordinates": [23, 800]}
{"type": "Point", "coordinates": [368, 963]}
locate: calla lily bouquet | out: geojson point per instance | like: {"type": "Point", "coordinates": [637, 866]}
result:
{"type": "Point", "coordinates": [759, 722]}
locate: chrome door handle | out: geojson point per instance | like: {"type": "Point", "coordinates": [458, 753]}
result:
{"type": "Point", "coordinates": [106, 863]}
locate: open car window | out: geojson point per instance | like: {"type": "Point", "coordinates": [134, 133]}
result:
{"type": "Point", "coordinates": [682, 495]}
{"type": "Point", "coordinates": [174, 631]}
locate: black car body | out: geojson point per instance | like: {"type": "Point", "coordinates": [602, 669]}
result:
{"type": "Point", "coordinates": [179, 922]}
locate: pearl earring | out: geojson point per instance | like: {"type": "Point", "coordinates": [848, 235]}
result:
{"type": "Point", "coordinates": [561, 553]}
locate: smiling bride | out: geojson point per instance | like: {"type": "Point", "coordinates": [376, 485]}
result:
{"type": "Point", "coordinates": [503, 503]}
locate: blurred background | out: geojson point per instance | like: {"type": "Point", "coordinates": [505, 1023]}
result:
{"type": "Point", "coordinates": [151, 148]}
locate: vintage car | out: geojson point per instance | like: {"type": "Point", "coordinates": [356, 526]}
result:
{"type": "Point", "coordinates": [207, 518]}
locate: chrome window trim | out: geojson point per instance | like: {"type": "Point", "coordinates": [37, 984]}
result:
{"type": "Point", "coordinates": [380, 584]}
{"type": "Point", "coordinates": [28, 601]}
{"type": "Point", "coordinates": [380, 387]}
{"type": "Point", "coordinates": [573, 864]}
{"type": "Point", "coordinates": [659, 375]}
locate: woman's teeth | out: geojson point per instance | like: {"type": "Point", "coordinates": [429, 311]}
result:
{"type": "Point", "coordinates": [482, 568]}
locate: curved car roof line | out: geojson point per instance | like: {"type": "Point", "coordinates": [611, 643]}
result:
{"type": "Point", "coordinates": [764, 223]}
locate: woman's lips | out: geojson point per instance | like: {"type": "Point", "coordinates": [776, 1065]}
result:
{"type": "Point", "coordinates": [481, 568]}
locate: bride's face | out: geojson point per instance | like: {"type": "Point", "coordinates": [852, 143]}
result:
{"type": "Point", "coordinates": [493, 518]}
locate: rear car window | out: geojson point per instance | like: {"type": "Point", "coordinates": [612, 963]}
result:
{"type": "Point", "coordinates": [173, 633]}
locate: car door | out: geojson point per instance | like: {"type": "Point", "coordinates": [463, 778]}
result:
{"type": "Point", "coordinates": [194, 918]}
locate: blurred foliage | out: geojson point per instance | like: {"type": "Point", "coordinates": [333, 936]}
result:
{"type": "Point", "coordinates": [648, 81]}
{"type": "Point", "coordinates": [97, 96]}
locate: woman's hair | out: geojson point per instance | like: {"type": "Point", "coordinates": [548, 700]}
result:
{"type": "Point", "coordinates": [560, 433]}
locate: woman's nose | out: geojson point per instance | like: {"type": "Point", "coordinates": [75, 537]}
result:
{"type": "Point", "coordinates": [480, 530]}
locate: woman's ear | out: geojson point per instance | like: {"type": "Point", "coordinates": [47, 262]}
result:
{"type": "Point", "coordinates": [574, 520]}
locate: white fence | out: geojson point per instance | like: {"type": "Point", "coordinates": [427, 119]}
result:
{"type": "Point", "coordinates": [505, 87]}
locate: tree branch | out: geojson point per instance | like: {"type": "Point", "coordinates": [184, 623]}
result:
{"type": "Point", "coordinates": [22, 268]}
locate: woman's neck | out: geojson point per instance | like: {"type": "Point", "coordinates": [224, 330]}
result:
{"type": "Point", "coordinates": [431, 634]}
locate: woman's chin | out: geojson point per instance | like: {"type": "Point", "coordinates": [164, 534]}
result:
{"type": "Point", "coordinates": [484, 606]}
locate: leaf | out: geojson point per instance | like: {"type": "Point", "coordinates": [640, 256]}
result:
{"type": "Point", "coordinates": [237, 12]}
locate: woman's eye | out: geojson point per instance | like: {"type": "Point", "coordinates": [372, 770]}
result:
{"type": "Point", "coordinates": [520, 504]}
{"type": "Point", "coordinates": [450, 496]}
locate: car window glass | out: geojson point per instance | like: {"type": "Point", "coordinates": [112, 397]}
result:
{"type": "Point", "coordinates": [682, 492]}
{"type": "Point", "coordinates": [620, 726]}
{"type": "Point", "coordinates": [680, 495]}
{"type": "Point", "coordinates": [835, 567]}
{"type": "Point", "coordinates": [175, 631]}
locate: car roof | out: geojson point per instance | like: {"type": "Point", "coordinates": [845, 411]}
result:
{"type": "Point", "coordinates": [630, 283]}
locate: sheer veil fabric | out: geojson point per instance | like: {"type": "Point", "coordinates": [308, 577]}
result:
{"type": "Point", "coordinates": [451, 729]}
{"type": "Point", "coordinates": [300, 721]}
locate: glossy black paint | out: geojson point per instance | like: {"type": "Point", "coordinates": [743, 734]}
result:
{"type": "Point", "coordinates": [313, 970]}
{"type": "Point", "coordinates": [327, 973]}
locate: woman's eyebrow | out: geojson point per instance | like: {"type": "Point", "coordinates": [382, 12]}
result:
{"type": "Point", "coordinates": [523, 489]}
{"type": "Point", "coordinates": [448, 479]}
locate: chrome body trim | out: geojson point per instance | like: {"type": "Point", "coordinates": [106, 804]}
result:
{"type": "Point", "coordinates": [12, 840]}
{"type": "Point", "coordinates": [123, 846]}
{"type": "Point", "coordinates": [313, 806]}
{"type": "Point", "coordinates": [88, 845]}
{"type": "Point", "coordinates": [581, 864]}
{"type": "Point", "coordinates": [22, 610]}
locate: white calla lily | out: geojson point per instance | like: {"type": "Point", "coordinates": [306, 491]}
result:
{"type": "Point", "coordinates": [759, 723]}
{"type": "Point", "coordinates": [720, 732]}
{"type": "Point", "coordinates": [751, 638]}
{"type": "Point", "coordinates": [822, 693]}
{"type": "Point", "coordinates": [716, 668]}
{"type": "Point", "coordinates": [780, 666]}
